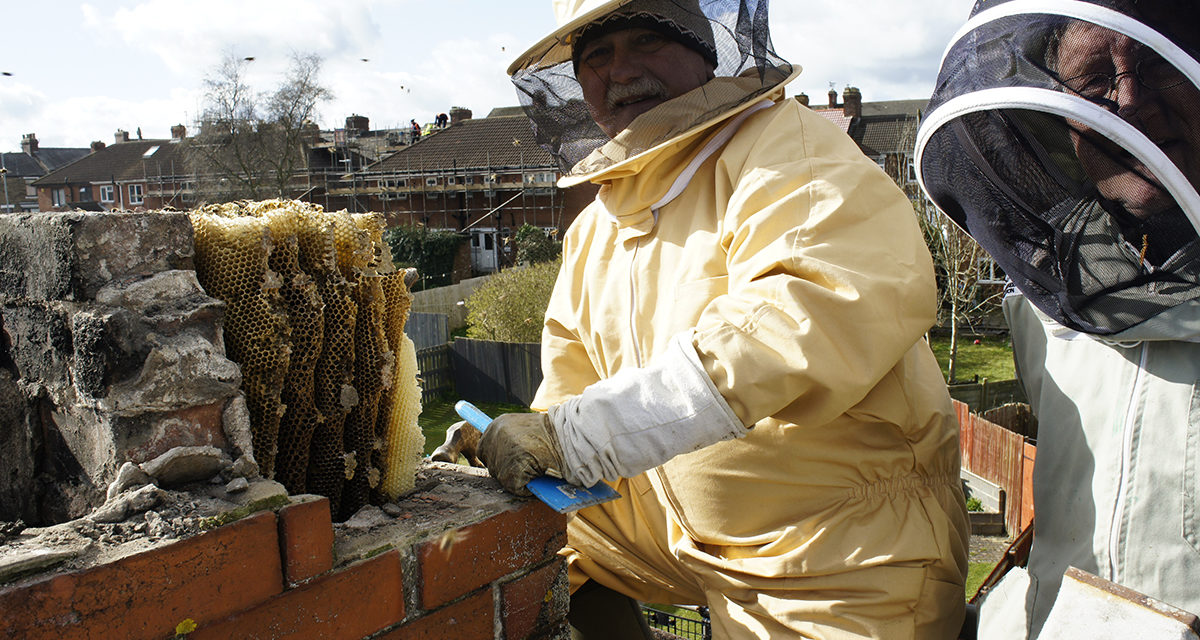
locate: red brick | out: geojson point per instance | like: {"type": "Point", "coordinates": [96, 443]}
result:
{"type": "Point", "coordinates": [469, 558]}
{"type": "Point", "coordinates": [469, 619]}
{"type": "Point", "coordinates": [204, 578]}
{"type": "Point", "coordinates": [353, 602]}
{"type": "Point", "coordinates": [535, 602]}
{"type": "Point", "coordinates": [306, 539]}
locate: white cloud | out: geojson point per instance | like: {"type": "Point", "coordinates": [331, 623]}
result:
{"type": "Point", "coordinates": [191, 37]}
{"type": "Point", "coordinates": [889, 50]}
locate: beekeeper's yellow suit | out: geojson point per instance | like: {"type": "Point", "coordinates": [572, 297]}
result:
{"type": "Point", "coordinates": [801, 269]}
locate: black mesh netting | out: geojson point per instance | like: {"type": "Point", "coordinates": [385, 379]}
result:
{"type": "Point", "coordinates": [1067, 143]}
{"type": "Point", "coordinates": [747, 67]}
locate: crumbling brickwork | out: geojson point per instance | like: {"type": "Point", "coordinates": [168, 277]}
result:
{"type": "Point", "coordinates": [112, 353]}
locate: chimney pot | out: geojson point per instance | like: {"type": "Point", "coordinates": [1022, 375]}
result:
{"type": "Point", "coordinates": [97, 145]}
{"type": "Point", "coordinates": [29, 143]}
{"type": "Point", "coordinates": [803, 99]}
{"type": "Point", "coordinates": [121, 136]}
{"type": "Point", "coordinates": [832, 98]}
{"type": "Point", "coordinates": [178, 132]}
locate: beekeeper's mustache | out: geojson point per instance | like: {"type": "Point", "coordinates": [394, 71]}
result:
{"type": "Point", "coordinates": [644, 87]}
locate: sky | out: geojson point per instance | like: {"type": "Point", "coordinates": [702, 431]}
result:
{"type": "Point", "coordinates": [79, 71]}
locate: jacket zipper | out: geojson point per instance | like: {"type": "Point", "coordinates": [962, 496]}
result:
{"type": "Point", "coordinates": [1118, 517]}
{"type": "Point", "coordinates": [634, 336]}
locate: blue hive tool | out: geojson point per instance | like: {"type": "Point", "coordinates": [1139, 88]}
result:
{"type": "Point", "coordinates": [558, 494]}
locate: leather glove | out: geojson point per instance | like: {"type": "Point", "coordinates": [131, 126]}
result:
{"type": "Point", "coordinates": [518, 447]}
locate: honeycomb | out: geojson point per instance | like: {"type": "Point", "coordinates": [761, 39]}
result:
{"type": "Point", "coordinates": [402, 438]}
{"type": "Point", "coordinates": [305, 313]}
{"type": "Point", "coordinates": [231, 263]}
{"type": "Point", "coordinates": [315, 315]}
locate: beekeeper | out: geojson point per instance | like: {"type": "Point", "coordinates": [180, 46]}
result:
{"type": "Point", "coordinates": [1066, 139]}
{"type": "Point", "coordinates": [734, 343]}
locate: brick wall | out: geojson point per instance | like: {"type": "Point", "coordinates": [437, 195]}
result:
{"type": "Point", "coordinates": [457, 558]}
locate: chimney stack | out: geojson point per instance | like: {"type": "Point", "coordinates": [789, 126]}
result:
{"type": "Point", "coordinates": [121, 136]}
{"type": "Point", "coordinates": [178, 132]}
{"type": "Point", "coordinates": [458, 114]}
{"type": "Point", "coordinates": [802, 99]}
{"type": "Point", "coordinates": [97, 145]}
{"type": "Point", "coordinates": [832, 99]}
{"type": "Point", "coordinates": [360, 125]}
{"type": "Point", "coordinates": [852, 99]}
{"type": "Point", "coordinates": [29, 143]}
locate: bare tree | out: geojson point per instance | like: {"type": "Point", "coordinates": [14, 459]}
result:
{"type": "Point", "coordinates": [251, 145]}
{"type": "Point", "coordinates": [964, 293]}
{"type": "Point", "coordinates": [966, 290]}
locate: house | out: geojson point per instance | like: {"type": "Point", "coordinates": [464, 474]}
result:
{"type": "Point", "coordinates": [18, 171]}
{"type": "Point", "coordinates": [483, 176]}
{"type": "Point", "coordinates": [129, 174]}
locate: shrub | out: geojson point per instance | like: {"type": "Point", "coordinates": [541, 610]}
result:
{"type": "Point", "coordinates": [534, 246]}
{"type": "Point", "coordinates": [431, 252]}
{"type": "Point", "coordinates": [974, 504]}
{"type": "Point", "coordinates": [511, 306]}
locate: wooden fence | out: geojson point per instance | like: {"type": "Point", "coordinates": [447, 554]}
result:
{"type": "Point", "coordinates": [434, 372]}
{"type": "Point", "coordinates": [428, 329]}
{"type": "Point", "coordinates": [1002, 457]}
{"type": "Point", "coordinates": [486, 371]}
{"type": "Point", "coordinates": [981, 396]}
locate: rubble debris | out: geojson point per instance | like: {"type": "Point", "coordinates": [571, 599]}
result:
{"type": "Point", "coordinates": [128, 476]}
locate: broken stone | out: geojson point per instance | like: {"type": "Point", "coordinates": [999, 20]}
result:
{"type": "Point", "coordinates": [157, 526]}
{"type": "Point", "coordinates": [111, 511]}
{"type": "Point", "coordinates": [128, 504]}
{"type": "Point", "coordinates": [35, 560]}
{"type": "Point", "coordinates": [128, 476]}
{"type": "Point", "coordinates": [392, 509]}
{"type": "Point", "coordinates": [236, 420]}
{"type": "Point", "coordinates": [245, 467]}
{"type": "Point", "coordinates": [182, 465]}
{"type": "Point", "coordinates": [145, 498]}
{"type": "Point", "coordinates": [257, 492]}
{"type": "Point", "coordinates": [237, 485]}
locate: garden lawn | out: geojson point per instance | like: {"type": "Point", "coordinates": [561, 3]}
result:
{"type": "Point", "coordinates": [977, 572]}
{"type": "Point", "coordinates": [991, 358]}
{"type": "Point", "coordinates": [437, 416]}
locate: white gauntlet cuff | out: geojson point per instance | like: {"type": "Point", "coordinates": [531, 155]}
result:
{"type": "Point", "coordinates": [640, 418]}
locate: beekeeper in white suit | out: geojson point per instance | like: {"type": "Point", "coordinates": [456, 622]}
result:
{"type": "Point", "coordinates": [734, 342]}
{"type": "Point", "coordinates": [1065, 137]}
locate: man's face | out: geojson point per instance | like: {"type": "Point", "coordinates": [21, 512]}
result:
{"type": "Point", "coordinates": [1169, 117]}
{"type": "Point", "coordinates": [626, 73]}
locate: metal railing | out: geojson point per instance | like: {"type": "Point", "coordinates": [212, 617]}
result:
{"type": "Point", "coordinates": [680, 626]}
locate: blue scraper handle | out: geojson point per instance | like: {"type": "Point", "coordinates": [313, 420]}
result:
{"type": "Point", "coordinates": [558, 494]}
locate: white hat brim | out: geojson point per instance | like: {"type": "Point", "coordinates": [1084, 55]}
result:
{"type": "Point", "coordinates": [554, 48]}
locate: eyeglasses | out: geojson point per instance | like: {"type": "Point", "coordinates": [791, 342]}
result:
{"type": "Point", "coordinates": [1153, 73]}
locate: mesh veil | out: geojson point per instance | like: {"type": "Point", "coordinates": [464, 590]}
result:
{"type": "Point", "coordinates": [1064, 136]}
{"type": "Point", "coordinates": [550, 93]}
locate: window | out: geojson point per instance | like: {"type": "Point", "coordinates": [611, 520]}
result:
{"type": "Point", "coordinates": [543, 176]}
{"type": "Point", "coordinates": [882, 162]}
{"type": "Point", "coordinates": [431, 182]}
{"type": "Point", "coordinates": [135, 194]}
{"type": "Point", "coordinates": [912, 171]}
{"type": "Point", "coordinates": [106, 193]}
{"type": "Point", "coordinates": [990, 272]}
{"type": "Point", "coordinates": [58, 197]}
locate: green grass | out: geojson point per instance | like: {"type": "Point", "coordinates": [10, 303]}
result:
{"type": "Point", "coordinates": [991, 358]}
{"type": "Point", "coordinates": [976, 572]}
{"type": "Point", "coordinates": [437, 416]}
